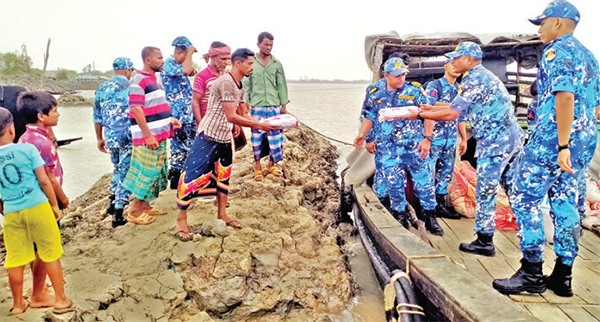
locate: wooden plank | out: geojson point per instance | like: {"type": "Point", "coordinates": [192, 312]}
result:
{"type": "Point", "coordinates": [586, 284]}
{"type": "Point", "coordinates": [547, 312]}
{"type": "Point", "coordinates": [497, 267]}
{"type": "Point", "coordinates": [577, 313]}
{"type": "Point", "coordinates": [505, 246]}
{"type": "Point", "coordinates": [591, 242]}
{"type": "Point", "coordinates": [463, 229]}
{"type": "Point", "coordinates": [474, 267]}
{"type": "Point", "coordinates": [451, 240]}
{"type": "Point", "coordinates": [594, 310]}
{"type": "Point", "coordinates": [439, 243]}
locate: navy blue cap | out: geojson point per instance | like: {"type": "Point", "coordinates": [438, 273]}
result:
{"type": "Point", "coordinates": [557, 9]}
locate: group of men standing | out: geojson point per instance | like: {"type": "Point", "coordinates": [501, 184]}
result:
{"type": "Point", "coordinates": [134, 117]}
{"type": "Point", "coordinates": [552, 162]}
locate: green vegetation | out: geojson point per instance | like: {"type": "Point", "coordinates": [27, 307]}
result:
{"type": "Point", "coordinates": [14, 64]}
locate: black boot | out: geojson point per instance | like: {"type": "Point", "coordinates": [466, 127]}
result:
{"type": "Point", "coordinates": [118, 219]}
{"type": "Point", "coordinates": [431, 223]}
{"type": "Point", "coordinates": [386, 202]}
{"type": "Point", "coordinates": [174, 178]}
{"type": "Point", "coordinates": [402, 217]}
{"type": "Point", "coordinates": [110, 208]}
{"type": "Point", "coordinates": [528, 278]}
{"type": "Point", "coordinates": [560, 279]}
{"type": "Point", "coordinates": [483, 245]}
{"type": "Point", "coordinates": [441, 209]}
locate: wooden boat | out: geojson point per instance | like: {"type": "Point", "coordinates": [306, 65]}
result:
{"type": "Point", "coordinates": [452, 285]}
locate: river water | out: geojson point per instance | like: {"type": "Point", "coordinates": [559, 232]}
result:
{"type": "Point", "coordinates": [330, 109]}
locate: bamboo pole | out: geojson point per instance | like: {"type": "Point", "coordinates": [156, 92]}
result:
{"type": "Point", "coordinates": [43, 77]}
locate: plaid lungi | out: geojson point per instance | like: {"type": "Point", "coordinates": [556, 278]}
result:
{"type": "Point", "coordinates": [147, 175]}
{"type": "Point", "coordinates": [206, 171]}
{"type": "Point", "coordinates": [267, 143]}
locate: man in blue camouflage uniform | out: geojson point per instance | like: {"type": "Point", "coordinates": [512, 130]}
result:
{"type": "Point", "coordinates": [560, 148]}
{"type": "Point", "coordinates": [401, 143]}
{"type": "Point", "coordinates": [379, 180]}
{"type": "Point", "coordinates": [443, 145]}
{"type": "Point", "coordinates": [484, 101]}
{"type": "Point", "coordinates": [176, 83]}
{"type": "Point", "coordinates": [111, 114]}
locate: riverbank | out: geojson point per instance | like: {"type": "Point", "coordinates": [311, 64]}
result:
{"type": "Point", "coordinates": [285, 264]}
{"type": "Point", "coordinates": [51, 85]}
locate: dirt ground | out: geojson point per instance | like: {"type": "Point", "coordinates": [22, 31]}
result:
{"type": "Point", "coordinates": [283, 265]}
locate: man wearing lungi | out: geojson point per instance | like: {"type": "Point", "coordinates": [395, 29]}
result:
{"type": "Point", "coordinates": [267, 93]}
{"type": "Point", "coordinates": [151, 126]}
{"type": "Point", "coordinates": [207, 168]}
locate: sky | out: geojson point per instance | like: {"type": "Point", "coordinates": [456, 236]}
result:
{"type": "Point", "coordinates": [321, 39]}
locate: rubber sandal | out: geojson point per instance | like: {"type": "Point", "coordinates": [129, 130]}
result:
{"type": "Point", "coordinates": [258, 175]}
{"type": "Point", "coordinates": [143, 219]}
{"type": "Point", "coordinates": [11, 312]}
{"type": "Point", "coordinates": [275, 171]}
{"type": "Point", "coordinates": [234, 223]}
{"type": "Point", "coordinates": [182, 238]}
{"type": "Point", "coordinates": [70, 308]}
{"type": "Point", "coordinates": [156, 212]}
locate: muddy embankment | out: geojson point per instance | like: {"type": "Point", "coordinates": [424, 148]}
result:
{"type": "Point", "coordinates": [283, 265]}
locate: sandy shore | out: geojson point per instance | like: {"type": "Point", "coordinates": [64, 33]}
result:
{"type": "Point", "coordinates": [284, 265]}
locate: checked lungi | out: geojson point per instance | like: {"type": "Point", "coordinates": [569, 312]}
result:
{"type": "Point", "coordinates": [147, 175]}
{"type": "Point", "coordinates": [267, 143]}
{"type": "Point", "coordinates": [206, 171]}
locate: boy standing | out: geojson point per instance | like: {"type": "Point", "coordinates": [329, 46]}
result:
{"type": "Point", "coordinates": [30, 210]}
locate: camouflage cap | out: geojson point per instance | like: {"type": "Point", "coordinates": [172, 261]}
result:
{"type": "Point", "coordinates": [182, 42]}
{"type": "Point", "coordinates": [557, 9]}
{"type": "Point", "coordinates": [123, 63]}
{"type": "Point", "coordinates": [466, 48]}
{"type": "Point", "coordinates": [395, 66]}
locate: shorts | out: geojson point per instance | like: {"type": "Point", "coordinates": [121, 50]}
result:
{"type": "Point", "coordinates": [25, 227]}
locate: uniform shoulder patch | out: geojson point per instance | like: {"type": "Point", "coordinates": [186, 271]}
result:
{"type": "Point", "coordinates": [460, 89]}
{"type": "Point", "coordinates": [550, 54]}
{"type": "Point", "coordinates": [417, 84]}
{"type": "Point", "coordinates": [373, 90]}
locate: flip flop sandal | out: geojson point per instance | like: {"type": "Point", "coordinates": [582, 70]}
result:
{"type": "Point", "coordinates": [143, 219]}
{"type": "Point", "coordinates": [258, 175]}
{"type": "Point", "coordinates": [182, 238]}
{"type": "Point", "coordinates": [70, 308]}
{"type": "Point", "coordinates": [156, 212]}
{"type": "Point", "coordinates": [11, 312]}
{"type": "Point", "coordinates": [275, 171]}
{"type": "Point", "coordinates": [234, 223]}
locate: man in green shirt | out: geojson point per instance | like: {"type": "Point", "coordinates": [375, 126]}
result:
{"type": "Point", "coordinates": [266, 91]}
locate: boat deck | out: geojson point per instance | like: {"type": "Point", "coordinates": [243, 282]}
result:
{"type": "Point", "coordinates": [583, 306]}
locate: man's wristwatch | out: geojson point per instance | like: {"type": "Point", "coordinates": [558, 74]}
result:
{"type": "Point", "coordinates": [563, 147]}
{"type": "Point", "coordinates": [428, 137]}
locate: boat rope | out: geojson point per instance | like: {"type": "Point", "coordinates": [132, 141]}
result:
{"type": "Point", "coordinates": [321, 134]}
{"type": "Point", "coordinates": [409, 258]}
{"type": "Point", "coordinates": [390, 297]}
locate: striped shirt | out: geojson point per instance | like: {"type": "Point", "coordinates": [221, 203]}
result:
{"type": "Point", "coordinates": [214, 124]}
{"type": "Point", "coordinates": [202, 85]}
{"type": "Point", "coordinates": [146, 93]}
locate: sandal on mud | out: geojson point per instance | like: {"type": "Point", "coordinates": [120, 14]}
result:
{"type": "Point", "coordinates": [258, 175]}
{"type": "Point", "coordinates": [70, 308]}
{"type": "Point", "coordinates": [184, 235]}
{"type": "Point", "coordinates": [234, 223]}
{"type": "Point", "coordinates": [156, 212]}
{"type": "Point", "coordinates": [12, 309]}
{"type": "Point", "coordinates": [143, 219]}
{"type": "Point", "coordinates": [275, 171]}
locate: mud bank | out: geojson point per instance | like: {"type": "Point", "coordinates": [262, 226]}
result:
{"type": "Point", "coordinates": [51, 85]}
{"type": "Point", "coordinates": [284, 265]}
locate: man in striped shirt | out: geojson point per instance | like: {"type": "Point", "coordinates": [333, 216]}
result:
{"type": "Point", "coordinates": [151, 126]}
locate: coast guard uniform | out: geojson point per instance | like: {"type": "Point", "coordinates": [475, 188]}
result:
{"type": "Point", "coordinates": [443, 143]}
{"type": "Point", "coordinates": [397, 143]}
{"type": "Point", "coordinates": [484, 101]}
{"type": "Point", "coordinates": [179, 94]}
{"type": "Point", "coordinates": [567, 66]}
{"type": "Point", "coordinates": [111, 110]}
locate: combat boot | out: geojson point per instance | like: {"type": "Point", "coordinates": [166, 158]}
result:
{"type": "Point", "coordinates": [401, 217]}
{"type": "Point", "coordinates": [442, 210]}
{"type": "Point", "coordinates": [110, 208]}
{"type": "Point", "coordinates": [483, 245]}
{"type": "Point", "coordinates": [432, 224]}
{"type": "Point", "coordinates": [118, 219]}
{"type": "Point", "coordinates": [174, 178]}
{"type": "Point", "coordinates": [560, 279]}
{"type": "Point", "coordinates": [528, 278]}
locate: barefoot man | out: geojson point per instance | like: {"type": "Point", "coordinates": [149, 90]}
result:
{"type": "Point", "coordinates": [208, 167]}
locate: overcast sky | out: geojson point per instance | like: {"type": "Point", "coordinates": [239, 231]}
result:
{"type": "Point", "coordinates": [314, 38]}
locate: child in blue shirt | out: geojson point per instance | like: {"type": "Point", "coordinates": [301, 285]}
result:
{"type": "Point", "coordinates": [30, 210]}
